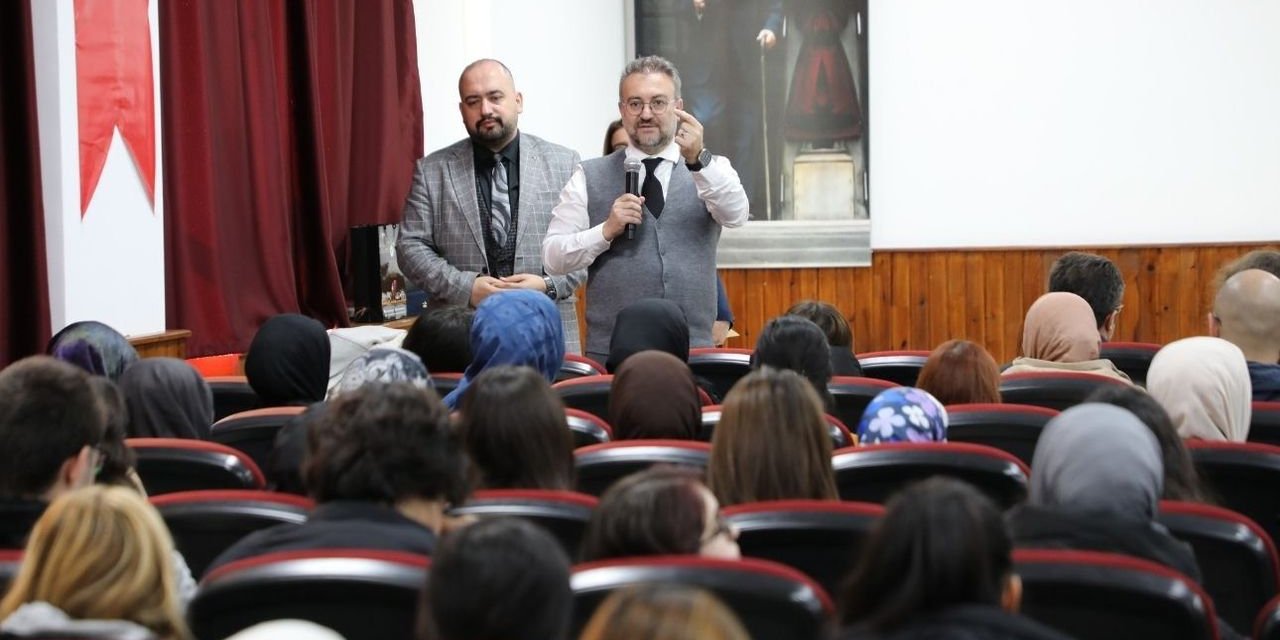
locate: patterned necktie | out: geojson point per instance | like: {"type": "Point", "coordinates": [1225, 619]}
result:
{"type": "Point", "coordinates": [652, 189]}
{"type": "Point", "coordinates": [500, 201]}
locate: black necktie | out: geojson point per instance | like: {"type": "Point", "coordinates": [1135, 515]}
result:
{"type": "Point", "coordinates": [652, 189]}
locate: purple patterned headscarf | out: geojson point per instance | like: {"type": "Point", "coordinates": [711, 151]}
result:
{"type": "Point", "coordinates": [903, 414]}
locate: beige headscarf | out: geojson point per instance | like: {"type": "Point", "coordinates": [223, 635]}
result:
{"type": "Point", "coordinates": [1204, 385]}
{"type": "Point", "coordinates": [1060, 327]}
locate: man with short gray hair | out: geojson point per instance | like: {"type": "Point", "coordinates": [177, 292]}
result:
{"type": "Point", "coordinates": [687, 195]}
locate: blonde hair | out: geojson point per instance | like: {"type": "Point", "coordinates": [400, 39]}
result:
{"type": "Point", "coordinates": [102, 553]}
{"type": "Point", "coordinates": [663, 612]}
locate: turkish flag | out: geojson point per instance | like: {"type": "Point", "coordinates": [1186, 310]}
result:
{"type": "Point", "coordinates": [114, 82]}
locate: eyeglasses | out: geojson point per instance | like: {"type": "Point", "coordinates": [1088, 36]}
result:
{"type": "Point", "coordinates": [99, 461]}
{"type": "Point", "coordinates": [722, 528]}
{"type": "Point", "coordinates": [658, 106]}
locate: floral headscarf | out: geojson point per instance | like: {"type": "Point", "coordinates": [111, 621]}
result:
{"type": "Point", "coordinates": [903, 414]}
{"type": "Point", "coordinates": [383, 364]}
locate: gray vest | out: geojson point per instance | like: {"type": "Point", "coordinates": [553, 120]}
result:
{"type": "Point", "coordinates": [672, 257]}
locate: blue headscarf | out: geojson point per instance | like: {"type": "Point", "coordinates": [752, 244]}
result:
{"type": "Point", "coordinates": [903, 414]}
{"type": "Point", "coordinates": [94, 347]}
{"type": "Point", "coordinates": [519, 327]}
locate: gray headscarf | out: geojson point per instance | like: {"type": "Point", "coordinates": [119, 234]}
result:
{"type": "Point", "coordinates": [167, 398]}
{"type": "Point", "coordinates": [1098, 459]}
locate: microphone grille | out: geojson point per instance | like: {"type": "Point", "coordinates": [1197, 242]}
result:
{"type": "Point", "coordinates": [632, 164]}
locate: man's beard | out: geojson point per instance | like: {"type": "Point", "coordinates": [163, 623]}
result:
{"type": "Point", "coordinates": [495, 134]}
{"type": "Point", "coordinates": [650, 140]}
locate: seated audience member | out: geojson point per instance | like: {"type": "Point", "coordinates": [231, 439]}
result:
{"type": "Point", "coordinates": [937, 565]}
{"type": "Point", "coordinates": [1097, 280]}
{"type": "Point", "coordinates": [348, 343]}
{"type": "Point", "coordinates": [383, 464]}
{"type": "Point", "coordinates": [660, 511]}
{"type": "Point", "coordinates": [792, 342]}
{"type": "Point", "coordinates": [441, 336]}
{"type": "Point", "coordinates": [1204, 385]}
{"type": "Point", "coordinates": [286, 629]}
{"type": "Point", "coordinates": [836, 328]}
{"type": "Point", "coordinates": [1181, 482]}
{"type": "Point", "coordinates": [288, 361]}
{"type": "Point", "coordinates": [501, 578]}
{"type": "Point", "coordinates": [116, 466]}
{"type": "Point", "coordinates": [1096, 479]}
{"type": "Point", "coordinates": [99, 565]}
{"type": "Point", "coordinates": [1267, 259]}
{"type": "Point", "coordinates": [663, 612]}
{"type": "Point", "coordinates": [772, 442]}
{"type": "Point", "coordinates": [94, 347]}
{"type": "Point", "coordinates": [519, 327]}
{"type": "Point", "coordinates": [51, 423]}
{"type": "Point", "coordinates": [1246, 313]}
{"type": "Point", "coordinates": [961, 372]}
{"type": "Point", "coordinates": [654, 396]}
{"type": "Point", "coordinates": [514, 428]}
{"type": "Point", "coordinates": [167, 398]}
{"type": "Point", "coordinates": [903, 414]}
{"type": "Point", "coordinates": [1059, 335]}
{"type": "Point", "coordinates": [652, 324]}
{"type": "Point", "coordinates": [284, 463]}
{"type": "Point", "coordinates": [383, 364]}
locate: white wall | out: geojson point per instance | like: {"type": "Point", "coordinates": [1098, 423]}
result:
{"type": "Point", "coordinates": [565, 54]}
{"type": "Point", "coordinates": [109, 264]}
{"type": "Point", "coordinates": [1025, 123]}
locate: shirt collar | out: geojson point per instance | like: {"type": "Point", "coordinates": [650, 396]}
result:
{"type": "Point", "coordinates": [670, 153]}
{"type": "Point", "coordinates": [484, 157]}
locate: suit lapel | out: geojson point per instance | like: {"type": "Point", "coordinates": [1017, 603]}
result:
{"type": "Point", "coordinates": [462, 180]}
{"type": "Point", "coordinates": [530, 185]}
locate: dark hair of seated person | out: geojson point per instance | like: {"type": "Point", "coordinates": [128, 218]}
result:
{"type": "Point", "coordinates": [515, 430]}
{"type": "Point", "coordinates": [500, 578]}
{"type": "Point", "coordinates": [839, 335]}
{"type": "Point", "coordinates": [284, 463]}
{"type": "Point", "coordinates": [961, 372]}
{"type": "Point", "coordinates": [384, 443]}
{"type": "Point", "coordinates": [117, 458]}
{"type": "Point", "coordinates": [659, 511]}
{"type": "Point", "coordinates": [795, 343]}
{"type": "Point", "coordinates": [940, 543]}
{"type": "Point", "coordinates": [49, 413]}
{"type": "Point", "coordinates": [441, 337]}
{"type": "Point", "coordinates": [1181, 481]}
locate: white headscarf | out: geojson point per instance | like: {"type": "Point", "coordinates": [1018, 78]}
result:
{"type": "Point", "coordinates": [1204, 385]}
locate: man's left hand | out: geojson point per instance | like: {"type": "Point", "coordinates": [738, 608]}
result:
{"type": "Point", "coordinates": [525, 281]}
{"type": "Point", "coordinates": [688, 136]}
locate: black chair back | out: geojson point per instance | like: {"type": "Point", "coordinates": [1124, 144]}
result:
{"type": "Point", "coordinates": [1014, 428]}
{"type": "Point", "coordinates": [899, 367]}
{"type": "Point", "coordinates": [874, 473]}
{"type": "Point", "coordinates": [1052, 389]}
{"type": "Point", "coordinates": [254, 431]}
{"type": "Point", "coordinates": [564, 514]}
{"type": "Point", "coordinates": [231, 395]}
{"type": "Point", "coordinates": [206, 523]}
{"type": "Point", "coordinates": [587, 428]}
{"type": "Point", "coordinates": [1133, 358]}
{"type": "Point", "coordinates": [852, 394]}
{"type": "Point", "coordinates": [168, 465]}
{"type": "Point", "coordinates": [720, 367]}
{"type": "Point", "coordinates": [1264, 426]}
{"type": "Point", "coordinates": [588, 393]}
{"type": "Point", "coordinates": [1245, 476]}
{"type": "Point", "coordinates": [576, 366]}
{"type": "Point", "coordinates": [599, 466]}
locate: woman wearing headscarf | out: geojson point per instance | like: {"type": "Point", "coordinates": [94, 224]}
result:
{"type": "Point", "coordinates": [94, 347]}
{"type": "Point", "coordinates": [1060, 333]}
{"type": "Point", "coordinates": [288, 361]}
{"type": "Point", "coordinates": [1096, 480]}
{"type": "Point", "coordinates": [654, 396]}
{"type": "Point", "coordinates": [520, 327]}
{"type": "Point", "coordinates": [1204, 385]}
{"type": "Point", "coordinates": [383, 364]}
{"type": "Point", "coordinates": [649, 324]}
{"type": "Point", "coordinates": [903, 414]}
{"type": "Point", "coordinates": [167, 398]}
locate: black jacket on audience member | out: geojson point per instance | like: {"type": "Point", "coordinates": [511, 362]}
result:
{"type": "Point", "coordinates": [844, 363]}
{"type": "Point", "coordinates": [963, 622]}
{"type": "Point", "coordinates": [17, 517]}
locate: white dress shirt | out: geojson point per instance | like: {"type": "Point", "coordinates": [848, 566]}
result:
{"type": "Point", "coordinates": [571, 244]}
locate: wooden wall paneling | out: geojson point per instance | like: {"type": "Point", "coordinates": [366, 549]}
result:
{"type": "Point", "coordinates": [1131, 267]}
{"type": "Point", "coordinates": [882, 303]}
{"type": "Point", "coordinates": [901, 319]}
{"type": "Point", "coordinates": [975, 299]}
{"type": "Point", "coordinates": [935, 305]}
{"type": "Point", "coordinates": [917, 306]}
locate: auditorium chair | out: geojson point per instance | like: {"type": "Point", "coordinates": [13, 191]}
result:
{"type": "Point", "coordinates": [227, 364]}
{"type": "Point", "coordinates": [771, 600]}
{"type": "Point", "coordinates": [564, 514]}
{"type": "Point", "coordinates": [873, 473]}
{"type": "Point", "coordinates": [600, 465]}
{"type": "Point", "coordinates": [232, 394]}
{"type": "Point", "coordinates": [720, 367]}
{"type": "Point", "coordinates": [1267, 625]}
{"type": "Point", "coordinates": [168, 465]}
{"type": "Point", "coordinates": [586, 393]}
{"type": "Point", "coordinates": [899, 367]}
{"type": "Point", "coordinates": [1264, 427]}
{"type": "Point", "coordinates": [1238, 564]}
{"type": "Point", "coordinates": [852, 394]}
{"type": "Point", "coordinates": [576, 366]}
{"type": "Point", "coordinates": [1053, 389]}
{"type": "Point", "coordinates": [445, 382]}
{"type": "Point", "coordinates": [1244, 476]}
{"type": "Point", "coordinates": [357, 593]}
{"type": "Point", "coordinates": [587, 428]}
{"type": "Point", "coordinates": [1014, 428]}
{"type": "Point", "coordinates": [10, 563]}
{"type": "Point", "coordinates": [840, 434]}
{"type": "Point", "coordinates": [1106, 596]}
{"type": "Point", "coordinates": [254, 431]}
{"type": "Point", "coordinates": [1133, 358]}
{"type": "Point", "coordinates": [820, 538]}
{"type": "Point", "coordinates": [206, 523]}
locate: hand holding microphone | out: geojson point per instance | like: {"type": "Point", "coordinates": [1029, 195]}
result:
{"type": "Point", "coordinates": [632, 166]}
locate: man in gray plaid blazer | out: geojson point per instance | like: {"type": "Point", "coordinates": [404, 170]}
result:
{"type": "Point", "coordinates": [478, 209]}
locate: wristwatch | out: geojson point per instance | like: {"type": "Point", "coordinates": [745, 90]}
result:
{"type": "Point", "coordinates": [551, 287]}
{"type": "Point", "coordinates": [704, 159]}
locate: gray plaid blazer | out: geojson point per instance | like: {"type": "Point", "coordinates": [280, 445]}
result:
{"type": "Point", "coordinates": [441, 243]}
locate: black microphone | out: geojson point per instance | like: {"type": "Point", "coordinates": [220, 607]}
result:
{"type": "Point", "coordinates": [632, 167]}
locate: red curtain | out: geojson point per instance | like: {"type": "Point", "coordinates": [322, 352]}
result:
{"type": "Point", "coordinates": [284, 123]}
{"type": "Point", "coordinates": [24, 287]}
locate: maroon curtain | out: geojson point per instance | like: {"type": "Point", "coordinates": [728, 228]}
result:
{"type": "Point", "coordinates": [24, 286]}
{"type": "Point", "coordinates": [284, 124]}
